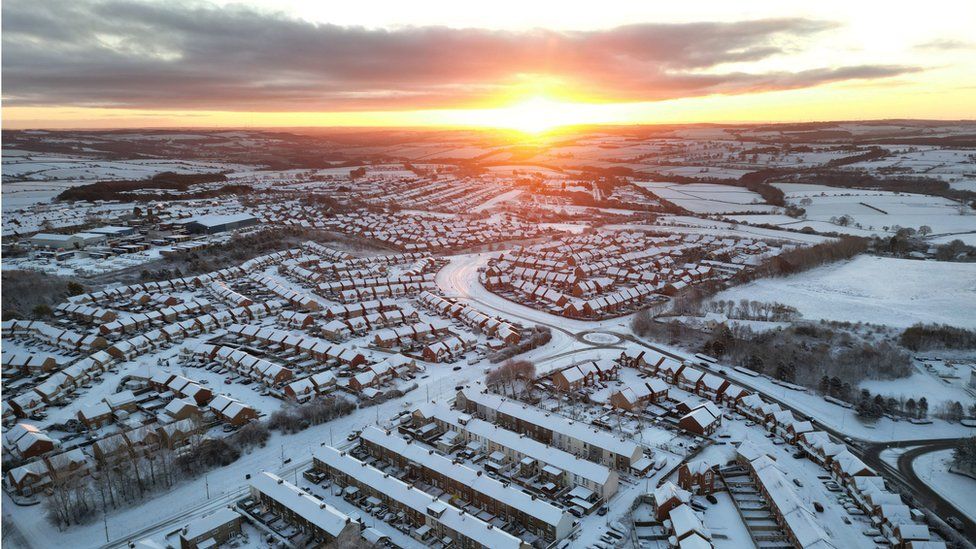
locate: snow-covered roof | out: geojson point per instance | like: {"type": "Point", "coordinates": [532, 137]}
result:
{"type": "Point", "coordinates": [451, 517]}
{"type": "Point", "coordinates": [315, 511]}
{"type": "Point", "coordinates": [209, 523]}
{"type": "Point", "coordinates": [593, 472]}
{"type": "Point", "coordinates": [483, 484]}
{"type": "Point", "coordinates": [214, 220]}
{"type": "Point", "coordinates": [556, 423]}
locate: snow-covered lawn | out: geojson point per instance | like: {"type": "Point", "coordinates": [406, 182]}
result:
{"type": "Point", "coordinates": [933, 469]}
{"type": "Point", "coordinates": [895, 292]}
{"type": "Point", "coordinates": [922, 383]}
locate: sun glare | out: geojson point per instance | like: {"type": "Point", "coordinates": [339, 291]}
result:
{"type": "Point", "coordinates": [533, 115]}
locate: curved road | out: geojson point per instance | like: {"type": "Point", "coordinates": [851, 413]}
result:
{"type": "Point", "coordinates": [905, 475]}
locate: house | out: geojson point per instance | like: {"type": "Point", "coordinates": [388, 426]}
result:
{"type": "Point", "coordinates": [363, 380]}
{"type": "Point", "coordinates": [796, 429]}
{"type": "Point", "coordinates": [25, 441]}
{"type": "Point", "coordinates": [111, 448]}
{"type": "Point", "coordinates": [845, 466]}
{"type": "Point", "coordinates": [319, 524]}
{"type": "Point", "coordinates": [909, 533]}
{"type": "Point", "coordinates": [67, 464]}
{"type": "Point", "coordinates": [640, 394]}
{"type": "Point", "coordinates": [211, 530]}
{"type": "Point", "coordinates": [433, 520]}
{"type": "Point", "coordinates": [559, 467]}
{"type": "Point", "coordinates": [732, 395]}
{"type": "Point", "coordinates": [178, 433]}
{"type": "Point", "coordinates": [579, 439]}
{"type": "Point", "coordinates": [542, 518]}
{"type": "Point", "coordinates": [28, 479]}
{"type": "Point", "coordinates": [711, 386]}
{"type": "Point", "coordinates": [698, 477]}
{"type": "Point", "coordinates": [686, 523]}
{"type": "Point", "coordinates": [96, 415]}
{"type": "Point", "coordinates": [795, 517]}
{"type": "Point", "coordinates": [702, 420]}
{"type": "Point", "coordinates": [232, 411]}
{"type": "Point", "coordinates": [571, 379]}
{"type": "Point", "coordinates": [182, 408]}
{"type": "Point", "coordinates": [667, 497]}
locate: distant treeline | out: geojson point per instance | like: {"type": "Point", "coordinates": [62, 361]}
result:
{"type": "Point", "coordinates": [801, 259]}
{"type": "Point", "coordinates": [114, 190]}
{"type": "Point", "coordinates": [873, 153]}
{"type": "Point", "coordinates": [924, 337]}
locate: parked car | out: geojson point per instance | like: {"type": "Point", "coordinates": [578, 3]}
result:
{"type": "Point", "coordinates": [603, 510]}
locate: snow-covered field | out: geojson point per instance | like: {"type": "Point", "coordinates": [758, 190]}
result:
{"type": "Point", "coordinates": [30, 179]}
{"type": "Point", "coordinates": [788, 222]}
{"type": "Point", "coordinates": [895, 292]}
{"type": "Point", "coordinates": [879, 211]}
{"type": "Point", "coordinates": [709, 198]}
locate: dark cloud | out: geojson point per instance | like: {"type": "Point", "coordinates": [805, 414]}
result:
{"type": "Point", "coordinates": [142, 55]}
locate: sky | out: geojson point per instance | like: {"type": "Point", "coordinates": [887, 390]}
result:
{"type": "Point", "coordinates": [510, 64]}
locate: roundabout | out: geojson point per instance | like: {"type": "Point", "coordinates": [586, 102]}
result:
{"type": "Point", "coordinates": [600, 338]}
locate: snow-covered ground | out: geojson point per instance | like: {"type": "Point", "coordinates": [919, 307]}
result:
{"type": "Point", "coordinates": [933, 469]}
{"type": "Point", "coordinates": [935, 384]}
{"type": "Point", "coordinates": [889, 291]}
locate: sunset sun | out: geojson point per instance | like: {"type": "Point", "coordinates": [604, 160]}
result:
{"type": "Point", "coordinates": [536, 115]}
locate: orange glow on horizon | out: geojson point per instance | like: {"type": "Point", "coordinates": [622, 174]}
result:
{"type": "Point", "coordinates": [536, 110]}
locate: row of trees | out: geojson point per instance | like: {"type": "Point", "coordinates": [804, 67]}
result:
{"type": "Point", "coordinates": [124, 477]}
{"type": "Point", "coordinates": [513, 378]}
{"type": "Point", "coordinates": [298, 417]}
{"type": "Point", "coordinates": [924, 337]}
{"type": "Point", "coordinates": [746, 309]}
{"type": "Point", "coordinates": [873, 407]}
{"type": "Point", "coordinates": [964, 454]}
{"type": "Point", "coordinates": [807, 257]}
{"type": "Point", "coordinates": [129, 190]}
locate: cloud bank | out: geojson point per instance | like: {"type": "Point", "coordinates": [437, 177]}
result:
{"type": "Point", "coordinates": [178, 56]}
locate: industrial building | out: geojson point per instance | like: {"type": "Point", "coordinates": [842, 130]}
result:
{"type": "Point", "coordinates": [66, 241]}
{"type": "Point", "coordinates": [212, 224]}
{"type": "Point", "coordinates": [114, 231]}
